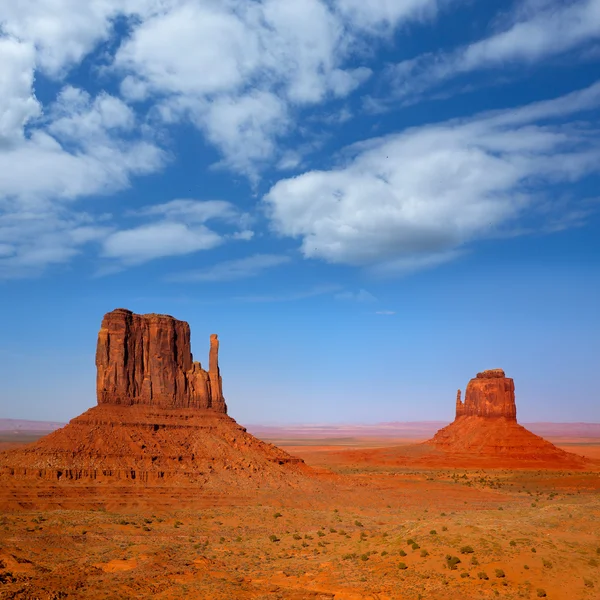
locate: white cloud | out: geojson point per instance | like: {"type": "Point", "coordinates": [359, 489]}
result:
{"type": "Point", "coordinates": [34, 240]}
{"type": "Point", "coordinates": [65, 31]}
{"type": "Point", "coordinates": [77, 150]}
{"type": "Point", "coordinates": [538, 30]}
{"type": "Point", "coordinates": [411, 200]}
{"type": "Point", "coordinates": [18, 105]}
{"type": "Point", "coordinates": [360, 296]}
{"type": "Point", "coordinates": [180, 229]}
{"type": "Point", "coordinates": [147, 242]}
{"type": "Point", "coordinates": [377, 14]}
{"type": "Point", "coordinates": [241, 70]}
{"type": "Point", "coordinates": [385, 312]}
{"type": "Point", "coordinates": [231, 270]}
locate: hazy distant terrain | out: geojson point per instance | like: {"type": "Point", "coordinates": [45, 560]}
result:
{"type": "Point", "coordinates": [393, 429]}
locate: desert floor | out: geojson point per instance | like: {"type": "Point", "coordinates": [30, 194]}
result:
{"type": "Point", "coordinates": [367, 531]}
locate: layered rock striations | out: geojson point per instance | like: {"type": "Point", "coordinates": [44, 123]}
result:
{"type": "Point", "coordinates": [486, 427]}
{"type": "Point", "coordinates": [491, 394]}
{"type": "Point", "coordinates": [160, 416]}
{"type": "Point", "coordinates": [146, 359]}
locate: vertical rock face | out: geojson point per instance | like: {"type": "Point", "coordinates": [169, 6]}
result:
{"type": "Point", "coordinates": [146, 359]}
{"type": "Point", "coordinates": [491, 394]}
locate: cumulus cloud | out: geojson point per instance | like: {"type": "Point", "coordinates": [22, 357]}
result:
{"type": "Point", "coordinates": [411, 200]}
{"type": "Point", "coordinates": [179, 227]}
{"type": "Point", "coordinates": [537, 29]}
{"type": "Point", "coordinates": [240, 70]}
{"type": "Point", "coordinates": [231, 270]}
{"type": "Point", "coordinates": [83, 146]}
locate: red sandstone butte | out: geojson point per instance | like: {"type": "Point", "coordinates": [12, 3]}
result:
{"type": "Point", "coordinates": [486, 427]}
{"type": "Point", "coordinates": [490, 394]}
{"type": "Point", "coordinates": [146, 359]}
{"type": "Point", "coordinates": [160, 417]}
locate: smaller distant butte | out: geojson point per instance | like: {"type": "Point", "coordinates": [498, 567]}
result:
{"type": "Point", "coordinates": [486, 427]}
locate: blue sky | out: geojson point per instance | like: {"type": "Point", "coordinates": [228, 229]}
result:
{"type": "Point", "coordinates": [369, 202]}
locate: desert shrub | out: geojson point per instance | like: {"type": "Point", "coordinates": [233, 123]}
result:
{"type": "Point", "coordinates": [7, 577]}
{"type": "Point", "coordinates": [402, 553]}
{"type": "Point", "coordinates": [358, 524]}
{"type": "Point", "coordinates": [464, 574]}
{"type": "Point", "coordinates": [500, 508]}
{"type": "Point", "coordinates": [597, 550]}
{"type": "Point", "coordinates": [588, 583]}
{"type": "Point", "coordinates": [415, 546]}
{"type": "Point", "coordinates": [452, 561]}
{"type": "Point", "coordinates": [546, 563]}
{"type": "Point", "coordinates": [342, 532]}
{"type": "Point", "coordinates": [221, 539]}
{"type": "Point", "coordinates": [593, 562]}
{"type": "Point", "coordinates": [384, 553]}
{"type": "Point", "coordinates": [474, 561]}
{"type": "Point", "coordinates": [442, 514]}
{"type": "Point", "coordinates": [526, 567]}
{"type": "Point", "coordinates": [541, 593]}
{"type": "Point", "coordinates": [144, 528]}
{"type": "Point", "coordinates": [321, 545]}
{"type": "Point", "coordinates": [297, 536]}
{"type": "Point", "coordinates": [304, 545]}
{"type": "Point", "coordinates": [410, 542]}
{"type": "Point", "coordinates": [513, 543]}
{"type": "Point", "coordinates": [533, 504]}
{"type": "Point", "coordinates": [308, 537]}
{"type": "Point", "coordinates": [424, 553]}
{"type": "Point", "coordinates": [433, 532]}
{"type": "Point", "coordinates": [277, 515]}
{"type": "Point", "coordinates": [349, 556]}
{"type": "Point", "coordinates": [482, 575]}
{"type": "Point", "coordinates": [444, 528]}
{"type": "Point", "coordinates": [273, 538]}
{"type": "Point", "coordinates": [320, 534]}
{"type": "Point", "coordinates": [402, 566]}
{"type": "Point", "coordinates": [364, 557]}
{"type": "Point", "coordinates": [332, 530]}
{"type": "Point", "coordinates": [533, 550]}
{"type": "Point", "coordinates": [467, 550]}
{"type": "Point", "coordinates": [500, 573]}
{"type": "Point", "coordinates": [238, 538]}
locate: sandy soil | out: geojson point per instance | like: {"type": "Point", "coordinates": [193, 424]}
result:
{"type": "Point", "coordinates": [369, 531]}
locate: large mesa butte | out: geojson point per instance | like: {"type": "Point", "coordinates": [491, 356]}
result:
{"type": "Point", "coordinates": [147, 359]}
{"type": "Point", "coordinates": [159, 416]}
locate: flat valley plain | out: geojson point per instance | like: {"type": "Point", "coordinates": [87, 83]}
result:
{"type": "Point", "coordinates": [370, 529]}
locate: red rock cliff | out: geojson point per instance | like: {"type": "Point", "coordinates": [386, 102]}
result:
{"type": "Point", "coordinates": [491, 394]}
{"type": "Point", "coordinates": [146, 359]}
